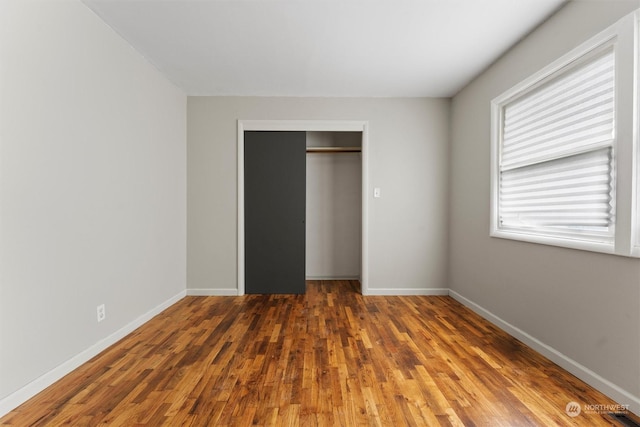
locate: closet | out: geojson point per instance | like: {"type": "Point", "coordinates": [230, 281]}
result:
{"type": "Point", "coordinates": [333, 205]}
{"type": "Point", "coordinates": [302, 211]}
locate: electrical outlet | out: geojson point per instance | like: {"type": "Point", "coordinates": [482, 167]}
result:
{"type": "Point", "coordinates": [102, 313]}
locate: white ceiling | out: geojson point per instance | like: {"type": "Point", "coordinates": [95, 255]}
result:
{"type": "Point", "coordinates": [375, 48]}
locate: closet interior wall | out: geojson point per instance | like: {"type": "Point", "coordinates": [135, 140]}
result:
{"type": "Point", "coordinates": [334, 207]}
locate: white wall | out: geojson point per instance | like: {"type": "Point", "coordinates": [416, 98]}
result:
{"type": "Point", "coordinates": [92, 189]}
{"type": "Point", "coordinates": [580, 308]}
{"type": "Point", "coordinates": [333, 213]}
{"type": "Point", "coordinates": [408, 160]}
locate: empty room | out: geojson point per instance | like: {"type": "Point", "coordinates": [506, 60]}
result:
{"type": "Point", "coordinates": [319, 213]}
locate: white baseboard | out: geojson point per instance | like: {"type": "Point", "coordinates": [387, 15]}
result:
{"type": "Point", "coordinates": [407, 291]}
{"type": "Point", "coordinates": [377, 291]}
{"type": "Point", "coordinates": [603, 385]}
{"type": "Point", "coordinates": [20, 396]}
{"type": "Point", "coordinates": [332, 278]}
{"type": "Point", "coordinates": [229, 292]}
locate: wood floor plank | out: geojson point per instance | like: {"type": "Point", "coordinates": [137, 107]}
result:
{"type": "Point", "coordinates": [330, 357]}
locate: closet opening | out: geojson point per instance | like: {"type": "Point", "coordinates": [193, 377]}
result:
{"type": "Point", "coordinates": [333, 205]}
{"type": "Point", "coordinates": [336, 226]}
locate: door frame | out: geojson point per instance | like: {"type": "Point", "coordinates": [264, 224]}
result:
{"type": "Point", "coordinates": [305, 126]}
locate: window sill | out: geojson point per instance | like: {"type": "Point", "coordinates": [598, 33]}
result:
{"type": "Point", "coordinates": [563, 242]}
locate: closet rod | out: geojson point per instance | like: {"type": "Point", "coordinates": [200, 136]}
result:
{"type": "Point", "coordinates": [334, 149]}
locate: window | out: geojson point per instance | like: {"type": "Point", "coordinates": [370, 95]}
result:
{"type": "Point", "coordinates": [562, 144]}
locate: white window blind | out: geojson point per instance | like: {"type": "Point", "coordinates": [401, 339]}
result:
{"type": "Point", "coordinates": [556, 155]}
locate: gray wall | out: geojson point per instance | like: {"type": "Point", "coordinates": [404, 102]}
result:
{"type": "Point", "coordinates": [583, 305]}
{"type": "Point", "coordinates": [334, 200]}
{"type": "Point", "coordinates": [92, 186]}
{"type": "Point", "coordinates": [408, 161]}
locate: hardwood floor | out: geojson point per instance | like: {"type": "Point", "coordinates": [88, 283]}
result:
{"type": "Point", "coordinates": [329, 358]}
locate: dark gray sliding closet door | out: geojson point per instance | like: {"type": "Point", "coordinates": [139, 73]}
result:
{"type": "Point", "coordinates": [274, 191]}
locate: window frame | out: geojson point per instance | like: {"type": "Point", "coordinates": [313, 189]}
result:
{"type": "Point", "coordinates": [623, 38]}
{"type": "Point", "coordinates": [635, 203]}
